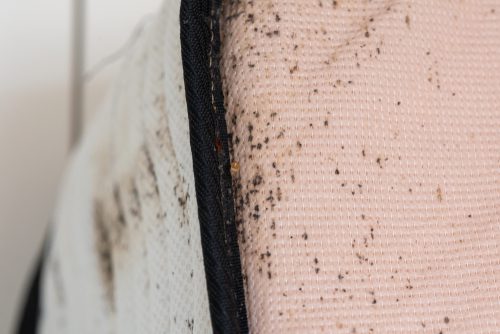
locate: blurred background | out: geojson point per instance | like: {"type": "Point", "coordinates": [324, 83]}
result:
{"type": "Point", "coordinates": [37, 58]}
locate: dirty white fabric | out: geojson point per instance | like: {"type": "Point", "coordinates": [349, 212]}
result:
{"type": "Point", "coordinates": [125, 253]}
{"type": "Point", "coordinates": [366, 139]}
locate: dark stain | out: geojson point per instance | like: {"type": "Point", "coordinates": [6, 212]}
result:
{"type": "Point", "coordinates": [151, 168]}
{"type": "Point", "coordinates": [439, 194]}
{"type": "Point", "coordinates": [119, 205]}
{"type": "Point", "coordinates": [104, 251]}
{"type": "Point", "coordinates": [273, 33]}
{"type": "Point", "coordinates": [135, 205]}
{"type": "Point", "coordinates": [190, 324]}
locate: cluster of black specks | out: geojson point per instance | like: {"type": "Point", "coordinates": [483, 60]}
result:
{"type": "Point", "coordinates": [252, 141]}
{"type": "Point", "coordinates": [247, 207]}
{"type": "Point", "coordinates": [373, 298]}
{"type": "Point", "coordinates": [273, 33]}
{"type": "Point", "coordinates": [181, 191]}
{"type": "Point", "coordinates": [366, 44]}
{"type": "Point", "coordinates": [181, 187]}
{"type": "Point", "coordinates": [408, 285]}
{"type": "Point", "coordinates": [265, 263]}
{"type": "Point", "coordinates": [190, 325]}
{"type": "Point", "coordinates": [380, 161]}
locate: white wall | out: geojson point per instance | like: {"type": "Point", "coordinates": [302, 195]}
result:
{"type": "Point", "coordinates": [35, 58]}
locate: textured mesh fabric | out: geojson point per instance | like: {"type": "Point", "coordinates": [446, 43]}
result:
{"type": "Point", "coordinates": [125, 253]}
{"type": "Point", "coordinates": [366, 163]}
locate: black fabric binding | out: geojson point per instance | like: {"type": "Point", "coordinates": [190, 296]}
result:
{"type": "Point", "coordinates": [200, 41]}
{"type": "Point", "coordinates": [28, 322]}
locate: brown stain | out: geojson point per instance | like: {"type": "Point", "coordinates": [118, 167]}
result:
{"type": "Point", "coordinates": [118, 204]}
{"type": "Point", "coordinates": [439, 194]}
{"type": "Point", "coordinates": [104, 249]}
{"type": "Point", "coordinates": [116, 210]}
{"type": "Point", "coordinates": [181, 192]}
{"type": "Point", "coordinates": [113, 213]}
{"type": "Point", "coordinates": [235, 167]}
{"type": "Point", "coordinates": [151, 169]}
{"type": "Point", "coordinates": [135, 209]}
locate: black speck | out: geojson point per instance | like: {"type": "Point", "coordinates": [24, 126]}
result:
{"type": "Point", "coordinates": [273, 33]}
{"type": "Point", "coordinates": [257, 180]}
{"type": "Point", "coordinates": [250, 18]}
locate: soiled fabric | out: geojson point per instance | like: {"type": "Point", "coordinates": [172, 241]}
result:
{"type": "Point", "coordinates": [125, 251]}
{"type": "Point", "coordinates": [366, 163]}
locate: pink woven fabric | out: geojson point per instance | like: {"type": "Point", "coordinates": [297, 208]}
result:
{"type": "Point", "coordinates": [366, 138]}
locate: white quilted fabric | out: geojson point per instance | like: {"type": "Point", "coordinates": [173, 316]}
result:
{"type": "Point", "coordinates": [125, 254]}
